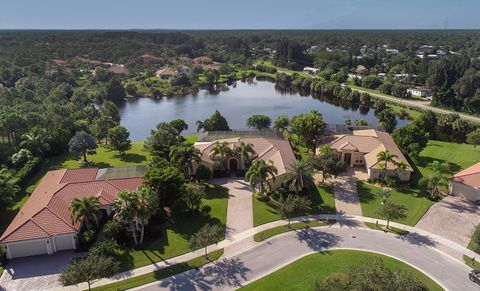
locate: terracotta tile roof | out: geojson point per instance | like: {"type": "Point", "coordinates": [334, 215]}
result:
{"type": "Point", "coordinates": [47, 213]}
{"type": "Point", "coordinates": [369, 142]}
{"type": "Point", "coordinates": [470, 176]}
{"type": "Point", "coordinates": [278, 151]}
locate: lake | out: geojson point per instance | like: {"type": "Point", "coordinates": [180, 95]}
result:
{"type": "Point", "coordinates": [141, 115]}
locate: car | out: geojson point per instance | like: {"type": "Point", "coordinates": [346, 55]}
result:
{"type": "Point", "coordinates": [474, 276]}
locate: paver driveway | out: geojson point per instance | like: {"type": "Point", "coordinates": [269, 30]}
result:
{"type": "Point", "coordinates": [452, 218]}
{"type": "Point", "coordinates": [345, 190]}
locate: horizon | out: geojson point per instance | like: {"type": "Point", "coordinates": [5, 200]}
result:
{"type": "Point", "coordinates": [250, 15]}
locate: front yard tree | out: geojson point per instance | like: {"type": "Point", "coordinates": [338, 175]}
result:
{"type": "Point", "coordinates": [434, 182]}
{"type": "Point", "coordinates": [245, 152]}
{"type": "Point", "coordinates": [207, 235]}
{"type": "Point", "coordinates": [119, 139]}
{"type": "Point", "coordinates": [293, 205]}
{"type": "Point", "coordinates": [221, 149]}
{"type": "Point", "coordinates": [81, 143]}
{"type": "Point", "coordinates": [258, 174]}
{"type": "Point", "coordinates": [147, 205]}
{"type": "Point", "coordinates": [185, 156]}
{"type": "Point", "coordinates": [328, 162]}
{"type": "Point", "coordinates": [125, 208]}
{"type": "Point", "coordinates": [167, 182]}
{"type": "Point", "coordinates": [473, 138]}
{"type": "Point", "coordinates": [385, 194]}
{"type": "Point", "coordinates": [89, 270]}
{"type": "Point", "coordinates": [87, 208]}
{"type": "Point", "coordinates": [309, 128]}
{"type": "Point", "coordinates": [162, 138]}
{"type": "Point", "coordinates": [193, 193]}
{"type": "Point", "coordinates": [259, 122]}
{"type": "Point", "coordinates": [390, 210]}
{"type": "Point", "coordinates": [299, 176]}
{"type": "Point", "coordinates": [385, 157]}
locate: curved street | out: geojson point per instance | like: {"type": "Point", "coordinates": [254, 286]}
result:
{"type": "Point", "coordinates": [267, 257]}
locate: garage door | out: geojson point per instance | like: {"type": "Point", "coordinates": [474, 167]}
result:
{"type": "Point", "coordinates": [63, 242]}
{"type": "Point", "coordinates": [30, 248]}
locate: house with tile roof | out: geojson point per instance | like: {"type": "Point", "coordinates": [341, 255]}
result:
{"type": "Point", "coordinates": [268, 148]}
{"type": "Point", "coordinates": [360, 148]}
{"type": "Point", "coordinates": [44, 225]}
{"type": "Point", "coordinates": [466, 184]}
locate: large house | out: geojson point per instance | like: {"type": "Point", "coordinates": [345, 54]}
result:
{"type": "Point", "coordinates": [360, 148]}
{"type": "Point", "coordinates": [44, 224]}
{"type": "Point", "coordinates": [269, 148]}
{"type": "Point", "coordinates": [466, 183]}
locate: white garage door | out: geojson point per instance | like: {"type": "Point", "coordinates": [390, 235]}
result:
{"type": "Point", "coordinates": [63, 242]}
{"type": "Point", "coordinates": [30, 248]}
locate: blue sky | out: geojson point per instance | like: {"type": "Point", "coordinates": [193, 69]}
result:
{"type": "Point", "coordinates": [216, 14]}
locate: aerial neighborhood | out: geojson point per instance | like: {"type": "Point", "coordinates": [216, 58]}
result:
{"type": "Point", "coordinates": [224, 159]}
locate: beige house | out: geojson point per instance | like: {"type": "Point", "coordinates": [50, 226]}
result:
{"type": "Point", "coordinates": [360, 149]}
{"type": "Point", "coordinates": [466, 184]}
{"type": "Point", "coordinates": [275, 150]}
{"type": "Point", "coordinates": [44, 225]}
{"type": "Point", "coordinates": [165, 73]}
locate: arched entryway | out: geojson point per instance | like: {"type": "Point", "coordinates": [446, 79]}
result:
{"type": "Point", "coordinates": [233, 165]}
{"type": "Point", "coordinates": [347, 158]}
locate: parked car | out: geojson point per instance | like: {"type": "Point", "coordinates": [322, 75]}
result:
{"type": "Point", "coordinates": [474, 276]}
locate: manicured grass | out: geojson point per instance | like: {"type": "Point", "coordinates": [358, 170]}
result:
{"type": "Point", "coordinates": [162, 274]}
{"type": "Point", "coordinates": [322, 198]}
{"type": "Point", "coordinates": [414, 200]}
{"type": "Point", "coordinates": [384, 228]}
{"type": "Point", "coordinates": [170, 239]}
{"type": "Point", "coordinates": [303, 273]}
{"type": "Point", "coordinates": [284, 228]}
{"type": "Point", "coordinates": [468, 261]}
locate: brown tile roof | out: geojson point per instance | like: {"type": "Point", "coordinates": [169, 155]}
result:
{"type": "Point", "coordinates": [47, 213]}
{"type": "Point", "coordinates": [166, 71]}
{"type": "Point", "coordinates": [278, 151]}
{"type": "Point", "coordinates": [470, 176]}
{"type": "Point", "coordinates": [368, 141]}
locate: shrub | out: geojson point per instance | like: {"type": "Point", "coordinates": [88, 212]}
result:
{"type": "Point", "coordinates": [266, 69]}
{"type": "Point", "coordinates": [206, 210]}
{"type": "Point", "coordinates": [112, 229]}
{"type": "Point", "coordinates": [87, 238]}
{"type": "Point", "coordinates": [27, 171]}
{"type": "Point", "coordinates": [392, 181]}
{"type": "Point", "coordinates": [335, 281]}
{"type": "Point", "coordinates": [203, 173]}
{"type": "Point", "coordinates": [106, 248]}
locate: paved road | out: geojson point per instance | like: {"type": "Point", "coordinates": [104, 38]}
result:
{"type": "Point", "coordinates": [424, 105]}
{"type": "Point", "coordinates": [281, 250]}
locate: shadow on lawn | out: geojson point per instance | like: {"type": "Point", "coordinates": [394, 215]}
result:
{"type": "Point", "coordinates": [131, 158]}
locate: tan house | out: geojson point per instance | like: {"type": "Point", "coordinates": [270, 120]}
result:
{"type": "Point", "coordinates": [44, 225]}
{"type": "Point", "coordinates": [165, 73]}
{"type": "Point", "coordinates": [360, 149]}
{"type": "Point", "coordinates": [466, 184]}
{"type": "Point", "coordinates": [275, 150]}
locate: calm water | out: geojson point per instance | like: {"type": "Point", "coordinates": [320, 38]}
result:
{"type": "Point", "coordinates": [237, 104]}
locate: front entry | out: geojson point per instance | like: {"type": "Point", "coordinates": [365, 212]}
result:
{"type": "Point", "coordinates": [233, 165]}
{"type": "Point", "coordinates": [347, 158]}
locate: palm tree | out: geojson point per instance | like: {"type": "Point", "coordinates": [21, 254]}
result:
{"type": "Point", "coordinates": [36, 141]}
{"type": "Point", "coordinates": [401, 166]}
{"type": "Point", "coordinates": [87, 208]}
{"type": "Point", "coordinates": [434, 182]}
{"type": "Point", "coordinates": [258, 174]}
{"type": "Point", "coordinates": [384, 193]}
{"type": "Point", "coordinates": [385, 157]}
{"type": "Point", "coordinates": [436, 166]}
{"type": "Point", "coordinates": [245, 151]}
{"type": "Point", "coordinates": [147, 205]}
{"type": "Point", "coordinates": [185, 156]}
{"type": "Point", "coordinates": [300, 175]}
{"type": "Point", "coordinates": [221, 149]}
{"type": "Point", "coordinates": [125, 207]}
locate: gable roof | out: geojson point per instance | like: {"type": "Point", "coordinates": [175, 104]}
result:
{"type": "Point", "coordinates": [47, 212]}
{"type": "Point", "coordinates": [278, 151]}
{"type": "Point", "coordinates": [166, 71]}
{"type": "Point", "coordinates": [470, 176]}
{"type": "Point", "coordinates": [369, 142]}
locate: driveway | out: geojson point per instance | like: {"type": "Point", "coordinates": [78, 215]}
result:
{"type": "Point", "coordinates": [35, 273]}
{"type": "Point", "coordinates": [452, 218]}
{"type": "Point", "coordinates": [345, 190]}
{"type": "Point", "coordinates": [239, 211]}
{"type": "Point", "coordinates": [274, 253]}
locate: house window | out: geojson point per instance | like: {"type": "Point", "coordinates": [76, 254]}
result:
{"type": "Point", "coordinates": [358, 161]}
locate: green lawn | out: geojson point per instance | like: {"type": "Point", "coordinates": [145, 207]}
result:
{"type": "Point", "coordinates": [322, 198]}
{"type": "Point", "coordinates": [303, 273]}
{"type": "Point", "coordinates": [383, 228]}
{"type": "Point", "coordinates": [161, 274]}
{"type": "Point", "coordinates": [284, 228]}
{"type": "Point", "coordinates": [171, 237]}
{"type": "Point", "coordinates": [383, 94]}
{"type": "Point", "coordinates": [414, 200]}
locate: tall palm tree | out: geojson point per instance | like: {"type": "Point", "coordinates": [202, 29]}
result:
{"type": "Point", "coordinates": [258, 174]}
{"type": "Point", "coordinates": [401, 166]}
{"type": "Point", "coordinates": [434, 182]}
{"type": "Point", "coordinates": [221, 149]}
{"type": "Point", "coordinates": [147, 205]}
{"type": "Point", "coordinates": [246, 152]}
{"type": "Point", "coordinates": [299, 176]}
{"type": "Point", "coordinates": [125, 207]}
{"type": "Point", "coordinates": [385, 194]}
{"type": "Point", "coordinates": [36, 141]}
{"type": "Point", "coordinates": [87, 208]}
{"type": "Point", "coordinates": [385, 157]}
{"type": "Point", "coordinates": [185, 156]}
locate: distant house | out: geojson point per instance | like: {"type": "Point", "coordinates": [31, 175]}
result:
{"type": "Point", "coordinates": [165, 73]}
{"type": "Point", "coordinates": [466, 184]}
{"type": "Point", "coordinates": [118, 69]}
{"type": "Point", "coordinates": [310, 70]}
{"type": "Point", "coordinates": [184, 69]}
{"type": "Point", "coordinates": [421, 92]}
{"type": "Point", "coordinates": [360, 149]}
{"type": "Point", "coordinates": [360, 69]}
{"type": "Point", "coordinates": [44, 225]}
